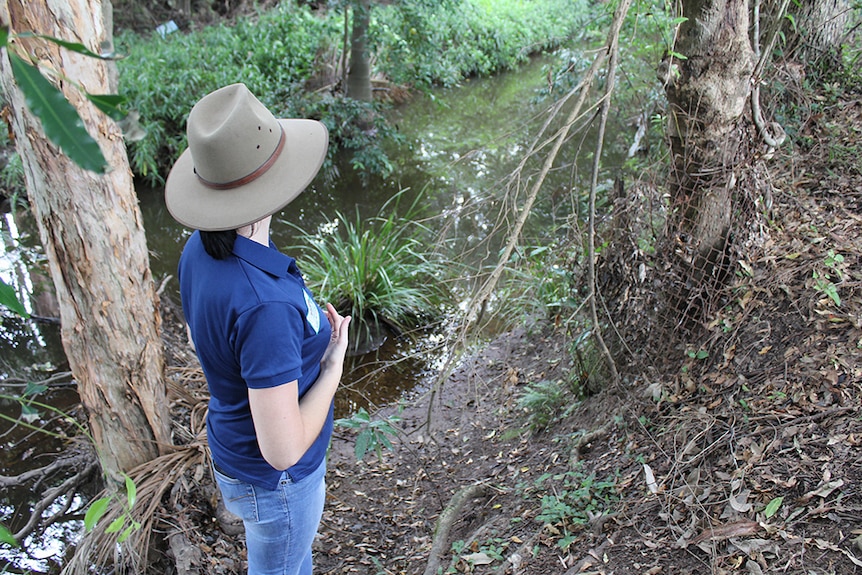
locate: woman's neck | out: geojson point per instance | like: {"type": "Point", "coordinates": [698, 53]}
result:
{"type": "Point", "coordinates": [258, 231]}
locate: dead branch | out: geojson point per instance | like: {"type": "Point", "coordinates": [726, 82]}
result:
{"type": "Point", "coordinates": [613, 45]}
{"type": "Point", "coordinates": [773, 141]}
{"type": "Point", "coordinates": [445, 522]}
{"type": "Point", "coordinates": [582, 90]}
{"type": "Point", "coordinates": [85, 465]}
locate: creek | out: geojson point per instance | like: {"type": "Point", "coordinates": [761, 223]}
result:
{"type": "Point", "coordinates": [460, 144]}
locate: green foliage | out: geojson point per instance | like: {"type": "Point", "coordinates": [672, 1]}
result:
{"type": "Point", "coordinates": [355, 127]}
{"type": "Point", "coordinates": [570, 500]}
{"type": "Point", "coordinates": [60, 120]}
{"type": "Point", "coordinates": [540, 283]}
{"type": "Point", "coordinates": [377, 269]}
{"type": "Point", "coordinates": [697, 354]}
{"type": "Point", "coordinates": [9, 299]}
{"type": "Point", "coordinates": [833, 264]}
{"type": "Point", "coordinates": [373, 434]}
{"type": "Point", "coordinates": [543, 401]}
{"type": "Point", "coordinates": [273, 53]}
{"type": "Point", "coordinates": [548, 401]}
{"type": "Point", "coordinates": [773, 506]}
{"type": "Point", "coordinates": [12, 177]}
{"type": "Point", "coordinates": [428, 43]}
{"type": "Point", "coordinates": [279, 50]}
{"type": "Point", "coordinates": [7, 537]}
{"type": "Point", "coordinates": [124, 524]}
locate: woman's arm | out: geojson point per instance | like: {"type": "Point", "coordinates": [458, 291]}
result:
{"type": "Point", "coordinates": [287, 426]}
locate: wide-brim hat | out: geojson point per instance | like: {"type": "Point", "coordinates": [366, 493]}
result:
{"type": "Point", "coordinates": [242, 163]}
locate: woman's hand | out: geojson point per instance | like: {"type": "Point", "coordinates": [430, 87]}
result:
{"type": "Point", "coordinates": [337, 348]}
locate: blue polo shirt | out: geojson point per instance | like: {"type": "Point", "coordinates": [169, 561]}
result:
{"type": "Point", "coordinates": [254, 325]}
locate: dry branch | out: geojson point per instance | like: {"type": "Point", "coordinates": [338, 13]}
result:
{"type": "Point", "coordinates": [86, 467]}
{"type": "Point", "coordinates": [480, 299]}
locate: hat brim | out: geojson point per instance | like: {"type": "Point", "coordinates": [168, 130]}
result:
{"type": "Point", "coordinates": [196, 205]}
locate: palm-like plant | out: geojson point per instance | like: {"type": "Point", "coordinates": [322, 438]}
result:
{"type": "Point", "coordinates": [378, 270]}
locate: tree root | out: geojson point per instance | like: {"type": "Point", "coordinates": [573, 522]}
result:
{"type": "Point", "coordinates": [585, 439]}
{"type": "Point", "coordinates": [85, 466]}
{"type": "Point", "coordinates": [445, 522]}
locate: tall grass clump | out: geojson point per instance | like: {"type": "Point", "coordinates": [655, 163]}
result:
{"type": "Point", "coordinates": [426, 43]}
{"type": "Point", "coordinates": [380, 270]}
{"type": "Point", "coordinates": [274, 54]}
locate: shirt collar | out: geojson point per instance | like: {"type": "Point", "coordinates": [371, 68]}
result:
{"type": "Point", "coordinates": [268, 259]}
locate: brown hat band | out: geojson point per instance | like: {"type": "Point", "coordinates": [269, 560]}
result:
{"type": "Point", "coordinates": [253, 175]}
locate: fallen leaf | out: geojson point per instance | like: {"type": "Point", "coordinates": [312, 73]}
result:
{"type": "Point", "coordinates": [824, 490]}
{"type": "Point", "coordinates": [477, 558]}
{"type": "Point", "coordinates": [650, 479]}
{"type": "Point", "coordinates": [740, 502]}
{"type": "Point", "coordinates": [827, 546]}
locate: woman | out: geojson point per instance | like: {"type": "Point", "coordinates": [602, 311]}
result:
{"type": "Point", "coordinates": [271, 361]}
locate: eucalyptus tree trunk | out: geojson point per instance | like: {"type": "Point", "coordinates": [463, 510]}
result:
{"type": "Point", "coordinates": [92, 232]}
{"type": "Point", "coordinates": [359, 76]}
{"type": "Point", "coordinates": [708, 89]}
{"type": "Point", "coordinates": [819, 30]}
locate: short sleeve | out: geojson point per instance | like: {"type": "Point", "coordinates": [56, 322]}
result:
{"type": "Point", "coordinates": [268, 344]}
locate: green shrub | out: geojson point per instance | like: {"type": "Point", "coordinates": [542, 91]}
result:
{"type": "Point", "coordinates": [355, 127]}
{"type": "Point", "coordinates": [378, 270]}
{"type": "Point", "coordinates": [571, 499]}
{"type": "Point", "coordinates": [373, 435]}
{"type": "Point", "coordinates": [276, 52]}
{"type": "Point", "coordinates": [544, 401]}
{"type": "Point", "coordinates": [273, 54]}
{"type": "Point", "coordinates": [426, 43]}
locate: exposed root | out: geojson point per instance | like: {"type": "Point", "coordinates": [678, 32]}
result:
{"type": "Point", "coordinates": [446, 520]}
{"type": "Point", "coordinates": [585, 439]}
{"type": "Point", "coordinates": [153, 480]}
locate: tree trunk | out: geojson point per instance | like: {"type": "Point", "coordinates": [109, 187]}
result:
{"type": "Point", "coordinates": [359, 76]}
{"type": "Point", "coordinates": [92, 231]}
{"type": "Point", "coordinates": [820, 29]}
{"type": "Point", "coordinates": [708, 91]}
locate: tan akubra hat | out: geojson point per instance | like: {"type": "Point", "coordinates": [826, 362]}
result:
{"type": "Point", "coordinates": [242, 164]}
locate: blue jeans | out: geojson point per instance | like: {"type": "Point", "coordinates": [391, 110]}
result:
{"type": "Point", "coordinates": [280, 525]}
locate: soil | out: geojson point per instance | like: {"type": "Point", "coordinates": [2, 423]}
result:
{"type": "Point", "coordinates": [745, 462]}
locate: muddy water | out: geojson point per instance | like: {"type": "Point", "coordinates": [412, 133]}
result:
{"type": "Point", "coordinates": [461, 143]}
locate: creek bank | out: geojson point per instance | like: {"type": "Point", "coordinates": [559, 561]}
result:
{"type": "Point", "coordinates": [756, 467]}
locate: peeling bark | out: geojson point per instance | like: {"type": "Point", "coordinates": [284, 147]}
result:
{"type": "Point", "coordinates": [92, 232]}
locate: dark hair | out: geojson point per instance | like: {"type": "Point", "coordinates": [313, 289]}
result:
{"type": "Point", "coordinates": [219, 244]}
